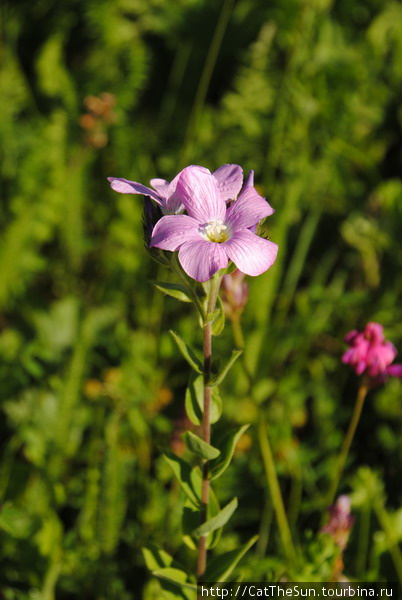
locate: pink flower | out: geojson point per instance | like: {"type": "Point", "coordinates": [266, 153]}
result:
{"type": "Point", "coordinates": [211, 234]}
{"type": "Point", "coordinates": [370, 353]}
{"type": "Point", "coordinates": [229, 180]}
{"type": "Point", "coordinates": [340, 522]}
{"type": "Point", "coordinates": [234, 293]}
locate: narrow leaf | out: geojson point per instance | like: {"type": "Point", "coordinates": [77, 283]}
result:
{"type": "Point", "coordinates": [225, 370]}
{"type": "Point", "coordinates": [199, 447]}
{"type": "Point", "coordinates": [175, 576]}
{"type": "Point", "coordinates": [219, 520]}
{"type": "Point", "coordinates": [227, 446]}
{"type": "Point", "coordinates": [188, 477]}
{"type": "Point", "coordinates": [175, 290]}
{"type": "Point", "coordinates": [156, 558]}
{"type": "Point", "coordinates": [220, 568]}
{"type": "Point", "coordinates": [195, 401]}
{"type": "Point", "coordinates": [187, 353]}
{"type": "Point", "coordinates": [213, 509]}
{"type": "Point", "coordinates": [219, 322]}
{"type": "Point", "coordinates": [211, 317]}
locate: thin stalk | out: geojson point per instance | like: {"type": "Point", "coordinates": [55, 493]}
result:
{"type": "Point", "coordinates": [265, 527]}
{"type": "Point", "coordinates": [273, 484]}
{"type": "Point", "coordinates": [347, 442]}
{"type": "Point", "coordinates": [206, 75]}
{"type": "Point", "coordinates": [363, 542]}
{"type": "Point", "coordinates": [268, 460]}
{"type": "Point", "coordinates": [212, 295]}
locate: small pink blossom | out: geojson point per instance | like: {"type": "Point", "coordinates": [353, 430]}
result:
{"type": "Point", "coordinates": [211, 233]}
{"type": "Point", "coordinates": [229, 180]}
{"type": "Point", "coordinates": [371, 354]}
{"type": "Point", "coordinates": [340, 522]}
{"type": "Point", "coordinates": [234, 293]}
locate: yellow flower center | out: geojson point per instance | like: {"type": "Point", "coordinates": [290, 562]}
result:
{"type": "Point", "coordinates": [215, 231]}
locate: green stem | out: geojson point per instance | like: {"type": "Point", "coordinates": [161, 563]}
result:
{"type": "Point", "coordinates": [212, 295]}
{"type": "Point", "coordinates": [265, 527]}
{"type": "Point", "coordinates": [363, 542]}
{"type": "Point", "coordinates": [267, 457]}
{"type": "Point", "coordinates": [347, 442]}
{"type": "Point", "coordinates": [205, 78]}
{"type": "Point", "coordinates": [273, 484]}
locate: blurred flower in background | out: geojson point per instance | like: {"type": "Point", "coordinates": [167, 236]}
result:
{"type": "Point", "coordinates": [370, 353]}
{"type": "Point", "coordinates": [98, 117]}
{"type": "Point", "coordinates": [234, 293]}
{"type": "Point", "coordinates": [340, 522]}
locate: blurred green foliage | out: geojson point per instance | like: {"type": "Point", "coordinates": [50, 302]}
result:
{"type": "Point", "coordinates": [306, 93]}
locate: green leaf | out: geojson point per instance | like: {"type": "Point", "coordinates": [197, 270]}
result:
{"type": "Point", "coordinates": [210, 317]}
{"type": "Point", "coordinates": [191, 521]}
{"type": "Point", "coordinates": [225, 370]}
{"type": "Point", "coordinates": [219, 321]}
{"type": "Point", "coordinates": [175, 576]}
{"type": "Point", "coordinates": [219, 520]}
{"type": "Point", "coordinates": [232, 267]}
{"type": "Point", "coordinates": [199, 447]}
{"type": "Point", "coordinates": [220, 567]}
{"type": "Point", "coordinates": [156, 558]}
{"type": "Point", "coordinates": [187, 353]}
{"type": "Point", "coordinates": [189, 478]}
{"type": "Point", "coordinates": [175, 290]}
{"type": "Point", "coordinates": [226, 446]}
{"type": "Point", "coordinates": [213, 509]}
{"type": "Point", "coordinates": [195, 401]}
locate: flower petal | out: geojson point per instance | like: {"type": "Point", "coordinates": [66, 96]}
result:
{"type": "Point", "coordinates": [124, 186]}
{"type": "Point", "coordinates": [230, 179]}
{"type": "Point", "coordinates": [395, 370]}
{"type": "Point", "coordinates": [201, 259]}
{"type": "Point", "coordinates": [250, 180]}
{"type": "Point", "coordinates": [198, 191]}
{"type": "Point", "coordinates": [251, 254]}
{"type": "Point", "coordinates": [172, 231]}
{"type": "Point", "coordinates": [248, 209]}
{"type": "Point", "coordinates": [161, 186]}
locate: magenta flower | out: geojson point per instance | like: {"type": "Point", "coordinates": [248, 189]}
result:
{"type": "Point", "coordinates": [371, 354]}
{"type": "Point", "coordinates": [229, 179]}
{"type": "Point", "coordinates": [211, 233]}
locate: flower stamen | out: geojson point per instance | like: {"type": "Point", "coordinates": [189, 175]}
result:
{"type": "Point", "coordinates": [215, 231]}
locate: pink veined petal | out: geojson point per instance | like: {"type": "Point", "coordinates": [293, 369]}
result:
{"type": "Point", "coordinates": [248, 210]}
{"type": "Point", "coordinates": [161, 186]}
{"type": "Point", "coordinates": [174, 203]}
{"type": "Point", "coordinates": [201, 259]}
{"type": "Point", "coordinates": [172, 231]}
{"type": "Point", "coordinates": [198, 191]}
{"type": "Point", "coordinates": [250, 180]}
{"type": "Point", "coordinates": [124, 186]}
{"type": "Point", "coordinates": [395, 370]}
{"type": "Point", "coordinates": [230, 179]}
{"type": "Point", "coordinates": [251, 254]}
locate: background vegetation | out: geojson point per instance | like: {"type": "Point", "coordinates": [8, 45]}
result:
{"type": "Point", "coordinates": [306, 93]}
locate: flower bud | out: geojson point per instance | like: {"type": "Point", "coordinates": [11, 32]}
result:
{"type": "Point", "coordinates": [234, 293]}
